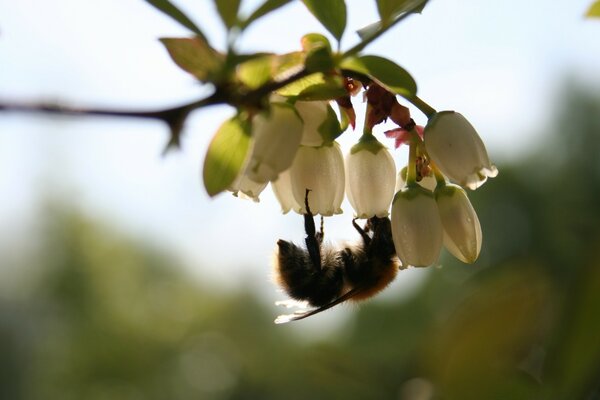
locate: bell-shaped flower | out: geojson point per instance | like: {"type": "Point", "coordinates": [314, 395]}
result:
{"type": "Point", "coordinates": [416, 227]}
{"type": "Point", "coordinates": [276, 140]}
{"type": "Point", "coordinates": [313, 113]}
{"type": "Point", "coordinates": [245, 188]}
{"type": "Point", "coordinates": [457, 150]}
{"type": "Point", "coordinates": [462, 231]}
{"type": "Point", "coordinates": [427, 182]}
{"type": "Point", "coordinates": [282, 188]}
{"type": "Point", "coordinates": [370, 178]}
{"type": "Point", "coordinates": [321, 171]}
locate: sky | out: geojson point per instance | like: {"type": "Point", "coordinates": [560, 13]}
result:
{"type": "Point", "coordinates": [500, 64]}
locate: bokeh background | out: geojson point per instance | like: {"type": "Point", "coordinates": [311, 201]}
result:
{"type": "Point", "coordinates": [121, 279]}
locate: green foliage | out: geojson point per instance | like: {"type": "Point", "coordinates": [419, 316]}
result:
{"type": "Point", "coordinates": [389, 74]}
{"type": "Point", "coordinates": [172, 11]}
{"type": "Point", "coordinates": [225, 156]}
{"type": "Point", "coordinates": [228, 11]}
{"type": "Point", "coordinates": [330, 13]}
{"type": "Point", "coordinates": [195, 56]}
{"type": "Point", "coordinates": [594, 10]}
{"type": "Point", "coordinates": [391, 9]}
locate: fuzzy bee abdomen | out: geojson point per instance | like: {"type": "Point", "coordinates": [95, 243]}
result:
{"type": "Point", "coordinates": [302, 280]}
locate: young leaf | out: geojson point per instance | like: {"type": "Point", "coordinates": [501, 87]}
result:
{"type": "Point", "coordinates": [225, 156]}
{"type": "Point", "coordinates": [264, 9]}
{"type": "Point", "coordinates": [330, 13]}
{"type": "Point", "coordinates": [389, 74]}
{"type": "Point", "coordinates": [195, 56]}
{"type": "Point", "coordinates": [256, 71]}
{"type": "Point", "coordinates": [168, 8]}
{"type": "Point", "coordinates": [228, 10]}
{"type": "Point", "coordinates": [594, 10]}
{"type": "Point", "coordinates": [391, 9]}
{"type": "Point", "coordinates": [314, 87]}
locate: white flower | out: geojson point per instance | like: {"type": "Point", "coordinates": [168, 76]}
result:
{"type": "Point", "coordinates": [276, 140]}
{"type": "Point", "coordinates": [246, 188]}
{"type": "Point", "coordinates": [320, 170]}
{"type": "Point", "coordinates": [313, 113]}
{"type": "Point", "coordinates": [370, 178]}
{"type": "Point", "coordinates": [462, 231]}
{"type": "Point", "coordinates": [416, 227]}
{"type": "Point", "coordinates": [427, 182]}
{"type": "Point", "coordinates": [282, 188]}
{"type": "Point", "coordinates": [457, 150]}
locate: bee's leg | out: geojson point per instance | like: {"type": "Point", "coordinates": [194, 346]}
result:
{"type": "Point", "coordinates": [362, 233]}
{"type": "Point", "coordinates": [313, 239]}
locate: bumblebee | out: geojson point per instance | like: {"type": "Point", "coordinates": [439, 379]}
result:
{"type": "Point", "coordinates": [323, 276]}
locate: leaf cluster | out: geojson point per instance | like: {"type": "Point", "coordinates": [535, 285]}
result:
{"type": "Point", "coordinates": [316, 72]}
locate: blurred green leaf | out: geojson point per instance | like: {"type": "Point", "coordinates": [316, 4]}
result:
{"type": "Point", "coordinates": [266, 7]}
{"type": "Point", "coordinates": [168, 8]}
{"type": "Point", "coordinates": [256, 71]}
{"type": "Point", "coordinates": [225, 156]}
{"type": "Point", "coordinates": [575, 364]}
{"type": "Point", "coordinates": [314, 87]}
{"type": "Point", "coordinates": [594, 10]}
{"type": "Point", "coordinates": [385, 72]}
{"type": "Point", "coordinates": [330, 13]}
{"type": "Point", "coordinates": [389, 12]}
{"type": "Point", "coordinates": [319, 60]}
{"type": "Point", "coordinates": [391, 9]}
{"type": "Point", "coordinates": [228, 10]}
{"type": "Point", "coordinates": [195, 56]}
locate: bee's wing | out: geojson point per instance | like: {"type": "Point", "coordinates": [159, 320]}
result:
{"type": "Point", "coordinates": [301, 314]}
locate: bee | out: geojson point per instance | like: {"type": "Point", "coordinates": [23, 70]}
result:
{"type": "Point", "coordinates": [323, 276]}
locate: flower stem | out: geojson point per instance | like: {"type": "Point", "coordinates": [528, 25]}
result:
{"type": "Point", "coordinates": [421, 105]}
{"type": "Point", "coordinates": [411, 173]}
{"type": "Point", "coordinates": [439, 177]}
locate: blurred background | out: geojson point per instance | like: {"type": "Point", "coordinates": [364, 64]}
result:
{"type": "Point", "coordinates": [121, 279]}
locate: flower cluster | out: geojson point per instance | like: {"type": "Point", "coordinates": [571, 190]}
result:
{"type": "Point", "coordinates": [294, 148]}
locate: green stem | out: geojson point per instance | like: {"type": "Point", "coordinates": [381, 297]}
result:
{"type": "Point", "coordinates": [411, 173]}
{"type": "Point", "coordinates": [439, 177]}
{"type": "Point", "coordinates": [421, 105]}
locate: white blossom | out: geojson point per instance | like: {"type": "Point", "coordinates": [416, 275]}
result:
{"type": "Point", "coordinates": [462, 231]}
{"type": "Point", "coordinates": [313, 114]}
{"type": "Point", "coordinates": [457, 150]}
{"type": "Point", "coordinates": [416, 227]}
{"type": "Point", "coordinates": [246, 188]}
{"type": "Point", "coordinates": [282, 188]}
{"type": "Point", "coordinates": [321, 171]}
{"type": "Point", "coordinates": [370, 179]}
{"type": "Point", "coordinates": [276, 140]}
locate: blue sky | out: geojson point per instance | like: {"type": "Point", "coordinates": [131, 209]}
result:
{"type": "Point", "coordinates": [498, 63]}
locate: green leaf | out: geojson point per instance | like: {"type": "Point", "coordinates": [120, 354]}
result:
{"type": "Point", "coordinates": [330, 129]}
{"type": "Point", "coordinates": [594, 10]}
{"type": "Point", "coordinates": [267, 7]}
{"type": "Point", "coordinates": [387, 73]}
{"type": "Point", "coordinates": [225, 156]}
{"type": "Point", "coordinates": [168, 8]}
{"type": "Point", "coordinates": [389, 10]}
{"type": "Point", "coordinates": [330, 13]}
{"type": "Point", "coordinates": [314, 87]}
{"type": "Point", "coordinates": [256, 72]}
{"type": "Point", "coordinates": [228, 10]}
{"type": "Point", "coordinates": [195, 56]}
